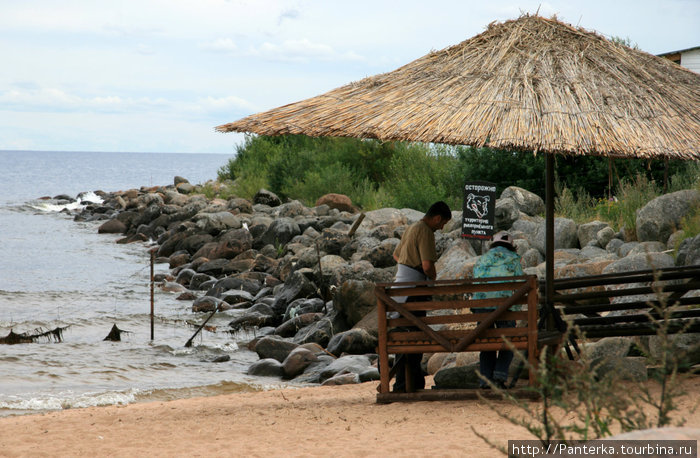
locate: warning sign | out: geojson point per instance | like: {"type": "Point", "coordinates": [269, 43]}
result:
{"type": "Point", "coordinates": [478, 209]}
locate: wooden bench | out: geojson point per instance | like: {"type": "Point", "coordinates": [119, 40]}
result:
{"type": "Point", "coordinates": [630, 303]}
{"type": "Point", "coordinates": [450, 326]}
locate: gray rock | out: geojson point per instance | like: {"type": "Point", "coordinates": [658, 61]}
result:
{"type": "Point", "coordinates": [369, 375]}
{"type": "Point", "coordinates": [237, 282]}
{"type": "Point", "coordinates": [266, 368]}
{"type": "Point", "coordinates": [265, 197]}
{"type": "Point", "coordinates": [626, 248]}
{"type": "Point", "coordinates": [648, 247]}
{"type": "Point", "coordinates": [607, 348]}
{"type": "Point", "coordinates": [312, 374]}
{"type": "Point", "coordinates": [689, 252]}
{"type": "Point", "coordinates": [215, 223]}
{"type": "Point", "coordinates": [252, 319]}
{"type": "Point", "coordinates": [382, 254]}
{"type": "Point", "coordinates": [384, 216]}
{"type": "Point", "coordinates": [198, 280]}
{"type": "Point", "coordinates": [304, 306]}
{"type": "Point", "coordinates": [458, 377]}
{"type": "Point", "coordinates": [280, 232]}
{"type": "Point", "coordinates": [659, 218]}
{"type": "Point", "coordinates": [236, 296]}
{"type": "Point", "coordinates": [240, 205]}
{"type": "Point", "coordinates": [342, 379]}
{"type": "Point", "coordinates": [292, 209]}
{"type": "Point", "coordinates": [589, 232]}
{"type": "Point", "coordinates": [297, 286]}
{"type": "Point", "coordinates": [613, 246]}
{"type": "Point", "coordinates": [113, 226]}
{"type": "Point", "coordinates": [290, 327]}
{"type": "Point", "coordinates": [206, 304]}
{"type": "Point", "coordinates": [457, 261]}
{"type": "Point", "coordinates": [354, 300]}
{"type": "Point", "coordinates": [684, 347]}
{"type": "Point", "coordinates": [319, 332]}
{"type": "Point", "coordinates": [531, 258]}
{"type": "Point", "coordinates": [624, 368]}
{"type": "Point", "coordinates": [353, 341]}
{"type": "Point", "coordinates": [640, 262]}
{"type": "Point", "coordinates": [525, 201]}
{"type": "Point", "coordinates": [350, 363]}
{"type": "Point", "coordinates": [274, 347]}
{"type": "Point", "coordinates": [505, 214]}
{"type": "Point", "coordinates": [297, 361]}
{"type": "Point", "coordinates": [604, 236]}
{"type": "Point", "coordinates": [565, 235]}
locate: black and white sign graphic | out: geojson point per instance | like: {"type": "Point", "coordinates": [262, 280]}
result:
{"type": "Point", "coordinates": [478, 209]}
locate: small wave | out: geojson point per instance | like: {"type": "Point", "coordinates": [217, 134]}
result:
{"type": "Point", "coordinates": [68, 400]}
{"type": "Point", "coordinates": [51, 205]}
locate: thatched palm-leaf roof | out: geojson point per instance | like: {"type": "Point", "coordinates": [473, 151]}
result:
{"type": "Point", "coordinates": [529, 84]}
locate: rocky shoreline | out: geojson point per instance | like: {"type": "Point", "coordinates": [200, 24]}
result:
{"type": "Point", "coordinates": [306, 281]}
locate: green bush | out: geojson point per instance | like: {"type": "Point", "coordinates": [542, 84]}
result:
{"type": "Point", "coordinates": [401, 174]}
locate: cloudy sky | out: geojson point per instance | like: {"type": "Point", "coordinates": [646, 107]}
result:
{"type": "Point", "coordinates": [158, 76]}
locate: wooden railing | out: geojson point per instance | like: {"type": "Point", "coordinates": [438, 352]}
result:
{"type": "Point", "coordinates": [630, 303]}
{"type": "Point", "coordinates": [450, 326]}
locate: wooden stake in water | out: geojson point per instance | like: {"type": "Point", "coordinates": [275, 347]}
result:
{"type": "Point", "coordinates": [153, 257]}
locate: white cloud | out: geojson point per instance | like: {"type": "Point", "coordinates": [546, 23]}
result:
{"type": "Point", "coordinates": [303, 50]}
{"type": "Point", "coordinates": [211, 104]}
{"type": "Point", "coordinates": [221, 45]}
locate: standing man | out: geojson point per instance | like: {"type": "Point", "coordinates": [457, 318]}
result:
{"type": "Point", "coordinates": [500, 261]}
{"type": "Point", "coordinates": [416, 257]}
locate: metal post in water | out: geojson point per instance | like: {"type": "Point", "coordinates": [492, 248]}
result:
{"type": "Point", "coordinates": [153, 257]}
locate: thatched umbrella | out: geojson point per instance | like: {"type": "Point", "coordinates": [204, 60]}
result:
{"type": "Point", "coordinates": [531, 84]}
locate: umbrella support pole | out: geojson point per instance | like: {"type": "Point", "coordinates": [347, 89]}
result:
{"type": "Point", "coordinates": [549, 242]}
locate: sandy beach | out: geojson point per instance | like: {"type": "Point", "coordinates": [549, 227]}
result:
{"type": "Point", "coordinates": [314, 421]}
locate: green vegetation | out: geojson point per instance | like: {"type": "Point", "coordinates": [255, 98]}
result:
{"type": "Point", "coordinates": [378, 174]}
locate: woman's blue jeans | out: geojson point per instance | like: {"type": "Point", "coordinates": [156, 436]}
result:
{"type": "Point", "coordinates": [494, 365]}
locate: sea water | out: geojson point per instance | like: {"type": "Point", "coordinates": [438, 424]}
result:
{"type": "Point", "coordinates": [59, 273]}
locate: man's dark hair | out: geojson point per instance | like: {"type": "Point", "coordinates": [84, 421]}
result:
{"type": "Point", "coordinates": [439, 208]}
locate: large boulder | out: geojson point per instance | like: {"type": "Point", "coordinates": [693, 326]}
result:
{"type": "Point", "coordinates": [297, 361]}
{"type": "Point", "coordinates": [340, 202]}
{"type": "Point", "coordinates": [505, 214]}
{"type": "Point", "coordinates": [457, 261]}
{"type": "Point", "coordinates": [689, 252]}
{"type": "Point", "coordinates": [113, 226]}
{"type": "Point", "coordinates": [354, 300]}
{"type": "Point", "coordinates": [640, 262]}
{"type": "Point", "coordinates": [265, 197]}
{"type": "Point", "coordinates": [389, 216]}
{"type": "Point", "coordinates": [292, 209]}
{"type": "Point", "coordinates": [588, 232]}
{"type": "Point", "coordinates": [296, 286]}
{"type": "Point", "coordinates": [524, 200]}
{"type": "Point", "coordinates": [280, 232]}
{"type": "Point", "coordinates": [355, 364]}
{"type": "Point", "coordinates": [290, 327]}
{"type": "Point", "coordinates": [267, 367]}
{"type": "Point", "coordinates": [319, 332]}
{"type": "Point", "coordinates": [565, 233]}
{"type": "Point", "coordinates": [214, 223]}
{"type": "Point", "coordinates": [458, 377]}
{"type": "Point", "coordinates": [354, 342]}
{"type": "Point", "coordinates": [275, 348]}
{"type": "Point", "coordinates": [381, 255]}
{"type": "Point", "coordinates": [659, 218]}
